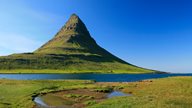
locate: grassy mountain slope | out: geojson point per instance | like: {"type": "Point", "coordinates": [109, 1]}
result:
{"type": "Point", "coordinates": [71, 50]}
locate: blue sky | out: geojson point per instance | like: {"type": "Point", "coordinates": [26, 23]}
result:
{"type": "Point", "coordinates": [155, 34]}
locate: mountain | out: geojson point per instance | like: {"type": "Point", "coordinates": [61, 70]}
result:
{"type": "Point", "coordinates": [72, 49]}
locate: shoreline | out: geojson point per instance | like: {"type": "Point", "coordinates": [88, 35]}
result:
{"type": "Point", "coordinates": [26, 71]}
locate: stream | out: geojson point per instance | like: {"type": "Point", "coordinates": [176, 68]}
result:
{"type": "Point", "coordinates": [41, 104]}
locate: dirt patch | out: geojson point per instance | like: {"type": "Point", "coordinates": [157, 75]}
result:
{"type": "Point", "coordinates": [78, 98]}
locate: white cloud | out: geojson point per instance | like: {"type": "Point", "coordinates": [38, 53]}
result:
{"type": "Point", "coordinates": [13, 43]}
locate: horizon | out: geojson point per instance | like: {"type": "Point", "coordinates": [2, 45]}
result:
{"type": "Point", "coordinates": [144, 33]}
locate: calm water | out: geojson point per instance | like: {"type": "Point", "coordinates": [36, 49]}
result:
{"type": "Point", "coordinates": [40, 103]}
{"type": "Point", "coordinates": [117, 94]}
{"type": "Point", "coordinates": [96, 77]}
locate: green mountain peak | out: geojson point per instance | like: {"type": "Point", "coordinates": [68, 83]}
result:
{"type": "Point", "coordinates": [73, 37]}
{"type": "Point", "coordinates": [72, 49]}
{"type": "Point", "coordinates": [73, 26]}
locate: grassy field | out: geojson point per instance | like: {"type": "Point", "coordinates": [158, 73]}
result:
{"type": "Point", "coordinates": [54, 63]}
{"type": "Point", "coordinates": [173, 92]}
{"type": "Point", "coordinates": [18, 94]}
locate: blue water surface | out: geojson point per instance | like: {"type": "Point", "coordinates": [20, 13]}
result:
{"type": "Point", "coordinates": [96, 77]}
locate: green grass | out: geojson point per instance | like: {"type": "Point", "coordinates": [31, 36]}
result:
{"type": "Point", "coordinates": [78, 96]}
{"type": "Point", "coordinates": [103, 89]}
{"type": "Point", "coordinates": [54, 63]}
{"type": "Point", "coordinates": [90, 102]}
{"type": "Point", "coordinates": [173, 92]}
{"type": "Point", "coordinates": [18, 94]}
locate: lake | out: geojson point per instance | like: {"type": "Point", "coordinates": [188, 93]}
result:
{"type": "Point", "coordinates": [96, 77]}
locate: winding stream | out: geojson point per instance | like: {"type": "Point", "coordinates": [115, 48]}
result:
{"type": "Point", "coordinates": [41, 104]}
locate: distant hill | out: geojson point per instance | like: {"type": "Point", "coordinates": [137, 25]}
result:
{"type": "Point", "coordinates": [71, 50]}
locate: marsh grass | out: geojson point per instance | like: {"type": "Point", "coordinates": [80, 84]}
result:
{"type": "Point", "coordinates": [173, 92]}
{"type": "Point", "coordinates": [19, 94]}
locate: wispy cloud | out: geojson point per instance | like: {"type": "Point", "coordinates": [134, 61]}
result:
{"type": "Point", "coordinates": [20, 20]}
{"type": "Point", "coordinates": [13, 43]}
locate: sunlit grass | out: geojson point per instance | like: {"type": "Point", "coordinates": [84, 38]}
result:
{"type": "Point", "coordinates": [18, 94]}
{"type": "Point", "coordinates": [173, 92]}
